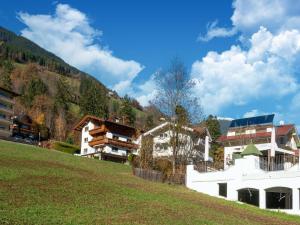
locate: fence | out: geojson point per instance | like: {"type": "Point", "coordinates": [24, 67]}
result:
{"type": "Point", "coordinates": [157, 176]}
{"type": "Point", "coordinates": [280, 162]}
{"type": "Point", "coordinates": [148, 174]}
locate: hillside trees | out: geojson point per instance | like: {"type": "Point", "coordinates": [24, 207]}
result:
{"type": "Point", "coordinates": [5, 79]}
{"type": "Point", "coordinates": [35, 87]}
{"type": "Point", "coordinates": [127, 112]}
{"type": "Point", "coordinates": [93, 100]}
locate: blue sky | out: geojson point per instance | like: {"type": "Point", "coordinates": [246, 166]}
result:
{"type": "Point", "coordinates": [243, 55]}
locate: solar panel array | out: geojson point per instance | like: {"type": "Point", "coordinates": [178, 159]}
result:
{"type": "Point", "coordinates": [257, 120]}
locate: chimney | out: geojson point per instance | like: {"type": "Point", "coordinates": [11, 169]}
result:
{"type": "Point", "coordinates": [281, 122]}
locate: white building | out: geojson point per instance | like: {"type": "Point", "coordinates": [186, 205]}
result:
{"type": "Point", "coordinates": [264, 172]}
{"type": "Point", "coordinates": [194, 140]}
{"type": "Point", "coordinates": [271, 140]}
{"type": "Point", "coordinates": [106, 139]}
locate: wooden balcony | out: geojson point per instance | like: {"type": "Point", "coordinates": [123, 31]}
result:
{"type": "Point", "coordinates": [5, 133]}
{"type": "Point", "coordinates": [5, 121]}
{"type": "Point", "coordinates": [109, 141]}
{"type": "Point", "coordinates": [97, 131]}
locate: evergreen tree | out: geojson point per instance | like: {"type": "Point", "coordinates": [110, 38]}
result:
{"type": "Point", "coordinates": [213, 127]}
{"type": "Point", "coordinates": [93, 100]}
{"type": "Point", "coordinates": [149, 122]}
{"type": "Point", "coordinates": [35, 87]}
{"type": "Point", "coordinates": [127, 111]}
{"type": "Point", "coordinates": [5, 80]}
{"type": "Point", "coordinates": [62, 94]}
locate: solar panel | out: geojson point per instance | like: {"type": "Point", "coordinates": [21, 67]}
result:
{"type": "Point", "coordinates": [266, 119]}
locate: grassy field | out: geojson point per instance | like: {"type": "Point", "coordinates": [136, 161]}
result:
{"type": "Point", "coordinates": [39, 186]}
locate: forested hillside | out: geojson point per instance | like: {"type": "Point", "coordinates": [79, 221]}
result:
{"type": "Point", "coordinates": [57, 95]}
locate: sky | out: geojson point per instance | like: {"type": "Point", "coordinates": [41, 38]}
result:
{"type": "Point", "coordinates": [243, 55]}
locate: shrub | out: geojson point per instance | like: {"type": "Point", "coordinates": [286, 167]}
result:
{"type": "Point", "coordinates": [134, 160]}
{"type": "Point", "coordinates": [65, 147]}
{"type": "Point", "coordinates": [164, 166]}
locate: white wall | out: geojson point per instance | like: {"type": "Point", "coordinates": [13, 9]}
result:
{"type": "Point", "coordinates": [85, 134]}
{"type": "Point", "coordinates": [245, 174]}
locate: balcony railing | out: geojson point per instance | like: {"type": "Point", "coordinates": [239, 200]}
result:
{"type": "Point", "coordinates": [6, 99]}
{"type": "Point", "coordinates": [6, 109]}
{"type": "Point", "coordinates": [4, 120]}
{"type": "Point", "coordinates": [104, 140]}
{"type": "Point", "coordinates": [97, 131]}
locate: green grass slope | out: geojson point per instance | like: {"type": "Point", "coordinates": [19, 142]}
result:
{"type": "Point", "coordinates": [39, 186]}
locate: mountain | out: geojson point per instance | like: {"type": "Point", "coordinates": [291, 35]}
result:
{"type": "Point", "coordinates": [224, 125]}
{"type": "Point", "coordinates": [56, 94]}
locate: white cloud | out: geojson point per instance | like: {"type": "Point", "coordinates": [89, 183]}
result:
{"type": "Point", "coordinates": [275, 15]}
{"type": "Point", "coordinates": [214, 31]}
{"type": "Point", "coordinates": [69, 35]}
{"type": "Point", "coordinates": [249, 15]}
{"type": "Point", "coordinates": [145, 92]}
{"type": "Point", "coordinates": [236, 76]}
{"type": "Point", "coordinates": [224, 118]}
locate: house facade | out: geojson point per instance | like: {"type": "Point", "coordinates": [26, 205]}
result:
{"type": "Point", "coordinates": [194, 141]}
{"type": "Point", "coordinates": [106, 139]}
{"type": "Point", "coordinates": [261, 166]}
{"type": "Point", "coordinates": [6, 111]}
{"type": "Point", "coordinates": [275, 141]}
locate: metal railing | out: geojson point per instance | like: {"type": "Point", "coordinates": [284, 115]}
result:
{"type": "Point", "coordinates": [204, 167]}
{"type": "Point", "coordinates": [279, 162]}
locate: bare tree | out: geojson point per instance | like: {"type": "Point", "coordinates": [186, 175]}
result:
{"type": "Point", "coordinates": [175, 98]}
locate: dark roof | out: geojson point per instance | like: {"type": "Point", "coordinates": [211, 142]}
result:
{"type": "Point", "coordinates": [87, 118]}
{"type": "Point", "coordinates": [257, 120]}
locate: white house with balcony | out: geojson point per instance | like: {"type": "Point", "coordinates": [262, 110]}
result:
{"type": "Point", "coordinates": [261, 166]}
{"type": "Point", "coordinates": [106, 139]}
{"type": "Point", "coordinates": [194, 142]}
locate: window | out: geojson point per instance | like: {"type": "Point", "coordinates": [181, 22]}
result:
{"type": "Point", "coordinates": [161, 135]}
{"type": "Point", "coordinates": [2, 127]}
{"type": "Point", "coordinates": [86, 140]}
{"type": "Point", "coordinates": [223, 189]}
{"type": "Point", "coordinates": [281, 140]}
{"type": "Point", "coordinates": [85, 151]}
{"type": "Point", "coordinates": [115, 137]}
{"type": "Point", "coordinates": [114, 149]}
{"type": "Point", "coordinates": [86, 128]}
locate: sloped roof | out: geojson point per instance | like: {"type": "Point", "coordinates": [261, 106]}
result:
{"type": "Point", "coordinates": [284, 129]}
{"type": "Point", "coordinates": [251, 150]}
{"type": "Point", "coordinates": [87, 118]}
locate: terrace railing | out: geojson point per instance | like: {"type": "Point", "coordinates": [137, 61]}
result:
{"type": "Point", "coordinates": [204, 167]}
{"type": "Point", "coordinates": [280, 162]}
